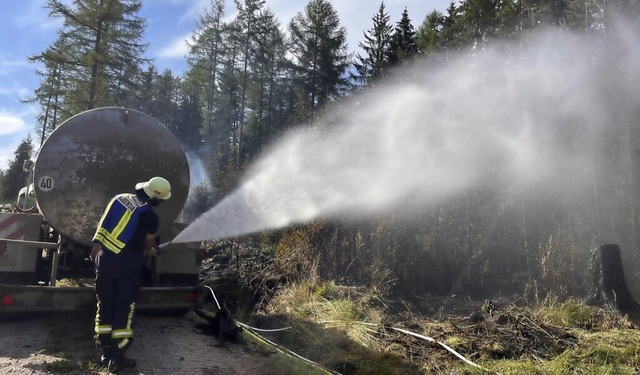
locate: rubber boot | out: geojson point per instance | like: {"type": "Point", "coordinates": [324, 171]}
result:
{"type": "Point", "coordinates": [106, 356]}
{"type": "Point", "coordinates": [103, 341]}
{"type": "Point", "coordinates": [118, 361]}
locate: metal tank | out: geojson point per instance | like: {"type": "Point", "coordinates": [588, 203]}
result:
{"type": "Point", "coordinates": [100, 153]}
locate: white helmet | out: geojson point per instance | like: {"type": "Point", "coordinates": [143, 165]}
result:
{"type": "Point", "coordinates": [156, 187]}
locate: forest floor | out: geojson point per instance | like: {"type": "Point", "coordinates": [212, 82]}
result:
{"type": "Point", "coordinates": [460, 337]}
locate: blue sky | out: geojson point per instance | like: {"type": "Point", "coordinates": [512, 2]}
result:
{"type": "Point", "coordinates": [26, 29]}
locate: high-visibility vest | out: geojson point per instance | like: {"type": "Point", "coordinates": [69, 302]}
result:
{"type": "Point", "coordinates": [119, 221]}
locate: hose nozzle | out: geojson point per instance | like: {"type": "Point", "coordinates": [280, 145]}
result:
{"type": "Point", "coordinates": [162, 246]}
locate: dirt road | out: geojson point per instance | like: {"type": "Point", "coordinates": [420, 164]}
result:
{"type": "Point", "coordinates": [63, 344]}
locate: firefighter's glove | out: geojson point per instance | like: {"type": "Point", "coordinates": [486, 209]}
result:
{"type": "Point", "coordinates": [95, 249]}
{"type": "Point", "coordinates": [151, 252]}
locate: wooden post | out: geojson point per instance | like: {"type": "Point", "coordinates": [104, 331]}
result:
{"type": "Point", "coordinates": [609, 287]}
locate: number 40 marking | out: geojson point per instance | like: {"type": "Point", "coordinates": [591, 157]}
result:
{"type": "Point", "coordinates": [46, 183]}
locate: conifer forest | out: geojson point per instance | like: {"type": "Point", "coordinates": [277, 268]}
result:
{"type": "Point", "coordinates": [485, 149]}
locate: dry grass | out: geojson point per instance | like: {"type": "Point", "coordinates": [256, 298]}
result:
{"type": "Point", "coordinates": [350, 331]}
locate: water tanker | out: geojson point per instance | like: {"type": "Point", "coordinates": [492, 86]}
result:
{"type": "Point", "coordinates": [47, 236]}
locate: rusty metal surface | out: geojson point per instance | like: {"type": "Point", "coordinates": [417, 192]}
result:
{"type": "Point", "coordinates": [100, 153]}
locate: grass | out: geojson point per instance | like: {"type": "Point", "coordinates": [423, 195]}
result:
{"type": "Point", "coordinates": [342, 330]}
{"type": "Point", "coordinates": [335, 329]}
{"type": "Point", "coordinates": [571, 313]}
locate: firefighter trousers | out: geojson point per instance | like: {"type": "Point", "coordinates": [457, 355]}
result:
{"type": "Point", "coordinates": [117, 288]}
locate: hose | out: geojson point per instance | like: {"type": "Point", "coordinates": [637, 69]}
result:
{"type": "Point", "coordinates": [252, 331]}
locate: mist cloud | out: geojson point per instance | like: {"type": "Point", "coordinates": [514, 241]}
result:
{"type": "Point", "coordinates": [527, 117]}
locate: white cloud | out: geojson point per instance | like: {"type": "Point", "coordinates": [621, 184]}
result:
{"type": "Point", "coordinates": [6, 154]}
{"type": "Point", "coordinates": [176, 49]}
{"type": "Point", "coordinates": [12, 67]}
{"type": "Point", "coordinates": [13, 129]}
{"type": "Point", "coordinates": [14, 93]}
{"type": "Point", "coordinates": [8, 145]}
{"type": "Point", "coordinates": [19, 62]}
{"type": "Point", "coordinates": [15, 125]}
{"type": "Point", "coordinates": [10, 124]}
{"type": "Point", "coordinates": [33, 18]}
{"type": "Point", "coordinates": [199, 6]}
{"type": "Point", "coordinates": [30, 15]}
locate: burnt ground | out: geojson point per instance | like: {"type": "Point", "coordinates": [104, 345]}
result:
{"type": "Point", "coordinates": [490, 330]}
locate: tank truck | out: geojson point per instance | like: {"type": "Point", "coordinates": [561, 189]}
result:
{"type": "Point", "coordinates": [45, 241]}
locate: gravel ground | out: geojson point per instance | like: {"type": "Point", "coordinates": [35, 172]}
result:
{"type": "Point", "coordinates": [63, 344]}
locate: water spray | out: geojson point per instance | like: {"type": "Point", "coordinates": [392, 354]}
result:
{"type": "Point", "coordinates": [521, 118]}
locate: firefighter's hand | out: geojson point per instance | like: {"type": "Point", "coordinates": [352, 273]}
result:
{"type": "Point", "coordinates": [151, 252]}
{"type": "Point", "coordinates": [94, 251]}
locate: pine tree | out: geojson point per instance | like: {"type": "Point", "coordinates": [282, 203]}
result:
{"type": "Point", "coordinates": [377, 40]}
{"type": "Point", "coordinates": [480, 21]}
{"type": "Point", "coordinates": [52, 87]}
{"type": "Point", "coordinates": [204, 60]}
{"type": "Point", "coordinates": [166, 98]}
{"type": "Point", "coordinates": [187, 126]}
{"type": "Point", "coordinates": [208, 110]}
{"type": "Point", "coordinates": [318, 44]}
{"type": "Point", "coordinates": [450, 37]}
{"type": "Point", "coordinates": [247, 20]}
{"type": "Point", "coordinates": [403, 41]}
{"type": "Point", "coordinates": [158, 95]}
{"type": "Point", "coordinates": [266, 112]}
{"type": "Point", "coordinates": [2, 189]}
{"type": "Point", "coordinates": [15, 178]}
{"type": "Point", "coordinates": [229, 92]}
{"type": "Point", "coordinates": [102, 54]}
{"type": "Point", "coordinates": [430, 33]}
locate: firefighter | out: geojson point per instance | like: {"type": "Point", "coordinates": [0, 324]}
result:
{"type": "Point", "coordinates": [125, 234]}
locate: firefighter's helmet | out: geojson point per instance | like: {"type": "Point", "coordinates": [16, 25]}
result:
{"type": "Point", "coordinates": [156, 187]}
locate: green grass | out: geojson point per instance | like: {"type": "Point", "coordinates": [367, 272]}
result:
{"type": "Point", "coordinates": [571, 313]}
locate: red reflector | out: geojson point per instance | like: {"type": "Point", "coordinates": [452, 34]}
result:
{"type": "Point", "coordinates": [7, 300]}
{"type": "Point", "coordinates": [191, 296]}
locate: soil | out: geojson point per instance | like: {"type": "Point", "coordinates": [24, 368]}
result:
{"type": "Point", "coordinates": [62, 343]}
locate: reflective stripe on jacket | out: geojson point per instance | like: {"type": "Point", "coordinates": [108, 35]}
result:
{"type": "Point", "coordinates": [119, 221]}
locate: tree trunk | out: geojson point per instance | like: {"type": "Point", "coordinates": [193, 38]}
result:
{"type": "Point", "coordinates": [609, 287]}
